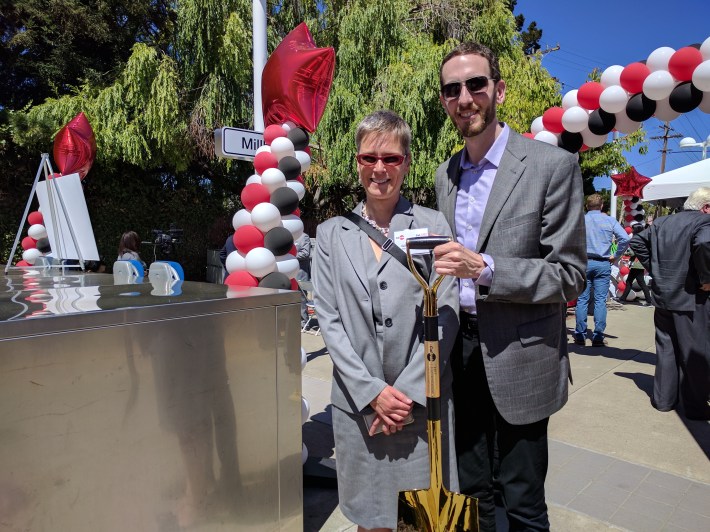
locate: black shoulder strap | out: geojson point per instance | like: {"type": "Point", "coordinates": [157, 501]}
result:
{"type": "Point", "coordinates": [385, 243]}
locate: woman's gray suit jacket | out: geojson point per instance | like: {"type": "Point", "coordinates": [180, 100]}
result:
{"type": "Point", "coordinates": [344, 305]}
{"type": "Point", "coordinates": [533, 228]}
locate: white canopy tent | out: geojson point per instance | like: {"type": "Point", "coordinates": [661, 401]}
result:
{"type": "Point", "coordinates": [678, 183]}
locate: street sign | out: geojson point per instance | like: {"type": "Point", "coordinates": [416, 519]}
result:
{"type": "Point", "coordinates": [235, 143]}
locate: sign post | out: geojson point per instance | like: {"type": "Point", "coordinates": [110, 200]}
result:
{"type": "Point", "coordinates": [235, 143]}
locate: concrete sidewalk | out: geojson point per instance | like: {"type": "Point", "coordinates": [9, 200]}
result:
{"type": "Point", "coordinates": [615, 462]}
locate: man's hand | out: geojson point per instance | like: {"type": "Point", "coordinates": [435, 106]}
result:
{"type": "Point", "coordinates": [391, 406]}
{"type": "Point", "coordinates": [454, 259]}
{"type": "Point", "coordinates": [705, 287]}
{"type": "Point", "coordinates": [612, 259]}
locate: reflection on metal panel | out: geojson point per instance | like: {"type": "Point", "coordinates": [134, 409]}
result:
{"type": "Point", "coordinates": [190, 418]}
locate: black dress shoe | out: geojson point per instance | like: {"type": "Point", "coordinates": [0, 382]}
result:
{"type": "Point", "coordinates": [598, 343]}
{"type": "Point", "coordinates": [580, 341]}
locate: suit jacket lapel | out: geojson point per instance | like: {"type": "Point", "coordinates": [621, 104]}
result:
{"type": "Point", "coordinates": [509, 172]}
{"type": "Point", "coordinates": [403, 218]}
{"type": "Point", "coordinates": [453, 172]}
{"type": "Point", "coordinates": [350, 240]}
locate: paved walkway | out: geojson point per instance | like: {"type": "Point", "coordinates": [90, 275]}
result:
{"type": "Point", "coordinates": [615, 462]}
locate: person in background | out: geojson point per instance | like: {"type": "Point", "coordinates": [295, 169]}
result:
{"type": "Point", "coordinates": [601, 231]}
{"type": "Point", "coordinates": [676, 252]}
{"type": "Point", "coordinates": [636, 273]}
{"type": "Point", "coordinates": [303, 254]}
{"type": "Point", "coordinates": [128, 247]}
{"type": "Point", "coordinates": [369, 307]}
{"type": "Point", "coordinates": [515, 207]}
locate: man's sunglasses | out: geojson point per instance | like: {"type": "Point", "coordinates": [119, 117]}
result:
{"type": "Point", "coordinates": [474, 85]}
{"type": "Point", "coordinates": [369, 159]}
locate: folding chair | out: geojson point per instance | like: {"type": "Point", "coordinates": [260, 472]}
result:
{"type": "Point", "coordinates": [306, 288]}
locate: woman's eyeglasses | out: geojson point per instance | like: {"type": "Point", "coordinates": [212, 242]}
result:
{"type": "Point", "coordinates": [369, 159]}
{"type": "Point", "coordinates": [474, 85]}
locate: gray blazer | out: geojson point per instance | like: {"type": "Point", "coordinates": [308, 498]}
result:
{"type": "Point", "coordinates": [533, 228]}
{"type": "Point", "coordinates": [676, 252]}
{"type": "Point", "coordinates": [345, 299]}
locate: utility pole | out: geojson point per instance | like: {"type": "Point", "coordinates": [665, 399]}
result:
{"type": "Point", "coordinates": [666, 130]}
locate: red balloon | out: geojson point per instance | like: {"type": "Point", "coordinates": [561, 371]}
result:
{"type": "Point", "coordinates": [297, 212]}
{"type": "Point", "coordinates": [621, 285]}
{"type": "Point", "coordinates": [629, 229]}
{"type": "Point", "coordinates": [293, 251]}
{"type": "Point", "coordinates": [294, 284]}
{"type": "Point", "coordinates": [683, 62]}
{"type": "Point", "coordinates": [253, 194]}
{"type": "Point", "coordinates": [265, 160]}
{"type": "Point", "coordinates": [583, 148]}
{"type": "Point", "coordinates": [552, 119]}
{"type": "Point", "coordinates": [75, 147]}
{"type": "Point", "coordinates": [301, 180]}
{"type": "Point", "coordinates": [241, 278]}
{"type": "Point", "coordinates": [22, 263]}
{"type": "Point", "coordinates": [272, 132]}
{"type": "Point", "coordinates": [296, 81]}
{"type": "Point", "coordinates": [28, 243]}
{"type": "Point", "coordinates": [633, 76]}
{"type": "Point", "coordinates": [624, 270]}
{"type": "Point", "coordinates": [248, 237]}
{"type": "Point", "coordinates": [529, 135]}
{"type": "Point", "coordinates": [630, 183]}
{"type": "Point", "coordinates": [588, 95]}
{"type": "Point", "coordinates": [628, 217]}
{"type": "Point", "coordinates": [35, 217]}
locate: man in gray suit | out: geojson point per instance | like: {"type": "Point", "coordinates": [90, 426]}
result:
{"type": "Point", "coordinates": [515, 206]}
{"type": "Point", "coordinates": [676, 252]}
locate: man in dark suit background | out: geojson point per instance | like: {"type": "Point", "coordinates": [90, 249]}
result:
{"type": "Point", "coordinates": [676, 252]}
{"type": "Point", "coordinates": [515, 206]}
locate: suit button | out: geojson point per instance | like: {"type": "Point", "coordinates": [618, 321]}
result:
{"type": "Point", "coordinates": [383, 285]}
{"type": "Point", "coordinates": [388, 322]}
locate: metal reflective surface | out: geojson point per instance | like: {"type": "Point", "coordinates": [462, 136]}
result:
{"type": "Point", "coordinates": [121, 410]}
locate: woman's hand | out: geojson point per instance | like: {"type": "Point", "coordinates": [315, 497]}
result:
{"type": "Point", "coordinates": [391, 407]}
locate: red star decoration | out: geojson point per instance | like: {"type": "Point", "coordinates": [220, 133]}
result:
{"type": "Point", "coordinates": [630, 183]}
{"type": "Point", "coordinates": [296, 80]}
{"type": "Point", "coordinates": [75, 147]}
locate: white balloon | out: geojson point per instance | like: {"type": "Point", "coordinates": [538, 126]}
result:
{"type": "Point", "coordinates": [265, 216]}
{"type": "Point", "coordinates": [537, 126]}
{"type": "Point", "coordinates": [592, 140]}
{"type": "Point", "coordinates": [305, 410]}
{"type": "Point", "coordinates": [658, 59]}
{"type": "Point", "coordinates": [37, 231]}
{"type": "Point", "coordinates": [288, 265]}
{"type": "Point", "coordinates": [294, 224]}
{"type": "Point", "coordinates": [260, 262]}
{"type": "Point", "coordinates": [631, 296]}
{"type": "Point", "coordinates": [664, 111]}
{"type": "Point", "coordinates": [570, 99]}
{"type": "Point", "coordinates": [575, 119]}
{"type": "Point", "coordinates": [546, 136]}
{"type": "Point", "coordinates": [304, 159]}
{"type": "Point", "coordinates": [281, 147]}
{"type": "Point", "coordinates": [235, 262]}
{"type": "Point", "coordinates": [705, 48]}
{"type": "Point", "coordinates": [304, 454]}
{"type": "Point", "coordinates": [240, 218]}
{"type": "Point", "coordinates": [658, 85]}
{"type": "Point", "coordinates": [613, 99]}
{"type": "Point", "coordinates": [255, 178]}
{"type": "Point", "coordinates": [298, 187]}
{"type": "Point", "coordinates": [611, 76]}
{"type": "Point", "coordinates": [705, 103]}
{"type": "Point", "coordinates": [701, 76]}
{"type": "Point", "coordinates": [304, 359]}
{"type": "Point", "coordinates": [263, 147]}
{"type": "Point", "coordinates": [273, 178]}
{"type": "Point", "coordinates": [624, 124]}
{"type": "Point", "coordinates": [31, 255]}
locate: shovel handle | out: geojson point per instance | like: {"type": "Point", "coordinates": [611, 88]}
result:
{"type": "Point", "coordinates": [427, 242]}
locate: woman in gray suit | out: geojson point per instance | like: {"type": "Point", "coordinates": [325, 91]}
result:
{"type": "Point", "coordinates": [369, 308]}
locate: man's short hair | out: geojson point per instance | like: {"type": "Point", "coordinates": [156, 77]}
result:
{"type": "Point", "coordinates": [473, 48]}
{"type": "Point", "coordinates": [385, 122]}
{"type": "Point", "coordinates": [697, 199]}
{"type": "Point", "coordinates": [594, 202]}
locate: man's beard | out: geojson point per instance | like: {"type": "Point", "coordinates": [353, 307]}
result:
{"type": "Point", "coordinates": [476, 127]}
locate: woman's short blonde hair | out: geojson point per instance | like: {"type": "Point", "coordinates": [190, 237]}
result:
{"type": "Point", "coordinates": [384, 122]}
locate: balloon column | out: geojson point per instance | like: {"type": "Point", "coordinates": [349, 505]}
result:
{"type": "Point", "coordinates": [666, 84]}
{"type": "Point", "coordinates": [296, 83]}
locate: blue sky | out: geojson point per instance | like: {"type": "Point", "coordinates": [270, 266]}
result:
{"type": "Point", "coordinates": [602, 33]}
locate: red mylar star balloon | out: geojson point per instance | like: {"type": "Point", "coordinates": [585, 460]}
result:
{"type": "Point", "coordinates": [630, 183]}
{"type": "Point", "coordinates": [296, 81]}
{"type": "Point", "coordinates": [75, 147]}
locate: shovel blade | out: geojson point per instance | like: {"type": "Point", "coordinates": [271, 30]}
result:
{"type": "Point", "coordinates": [436, 510]}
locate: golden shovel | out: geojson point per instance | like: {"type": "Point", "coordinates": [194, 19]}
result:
{"type": "Point", "coordinates": [435, 509]}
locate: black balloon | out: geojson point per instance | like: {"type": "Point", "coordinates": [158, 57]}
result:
{"type": "Point", "coordinates": [572, 142]}
{"type": "Point", "coordinates": [290, 166]}
{"type": "Point", "coordinates": [299, 137]}
{"type": "Point", "coordinates": [278, 240]}
{"type": "Point", "coordinates": [601, 122]}
{"type": "Point", "coordinates": [640, 107]}
{"type": "Point", "coordinates": [638, 217]}
{"type": "Point", "coordinates": [685, 97]}
{"type": "Point", "coordinates": [285, 199]}
{"type": "Point", "coordinates": [276, 280]}
{"type": "Point", "coordinates": [635, 199]}
{"type": "Point", "coordinates": [43, 245]}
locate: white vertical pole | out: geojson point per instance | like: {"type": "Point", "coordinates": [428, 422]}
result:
{"type": "Point", "coordinates": [259, 57]}
{"type": "Point", "coordinates": [612, 212]}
